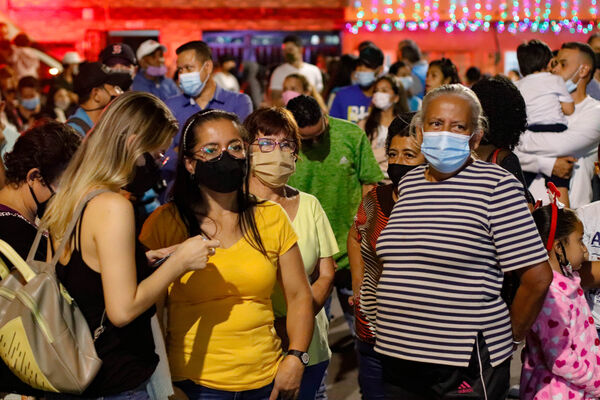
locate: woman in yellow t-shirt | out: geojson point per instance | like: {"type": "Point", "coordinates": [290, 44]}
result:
{"type": "Point", "coordinates": [220, 334]}
{"type": "Point", "coordinates": [274, 144]}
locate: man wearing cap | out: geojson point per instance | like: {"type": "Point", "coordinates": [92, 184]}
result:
{"type": "Point", "coordinates": [120, 58]}
{"type": "Point", "coordinates": [200, 92]}
{"type": "Point", "coordinates": [292, 53]}
{"type": "Point", "coordinates": [352, 102]}
{"type": "Point", "coordinates": [151, 77]}
{"type": "Point", "coordinates": [96, 86]}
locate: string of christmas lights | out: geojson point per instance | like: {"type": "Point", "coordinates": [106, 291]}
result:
{"type": "Point", "coordinates": [472, 15]}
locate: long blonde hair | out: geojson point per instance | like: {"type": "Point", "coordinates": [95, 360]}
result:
{"type": "Point", "coordinates": [133, 124]}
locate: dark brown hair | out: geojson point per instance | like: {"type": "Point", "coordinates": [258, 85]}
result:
{"type": "Point", "coordinates": [47, 147]}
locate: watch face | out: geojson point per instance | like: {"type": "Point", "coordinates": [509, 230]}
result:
{"type": "Point", "coordinates": [305, 358]}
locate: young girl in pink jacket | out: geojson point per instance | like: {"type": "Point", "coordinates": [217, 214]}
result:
{"type": "Point", "coordinates": [561, 359]}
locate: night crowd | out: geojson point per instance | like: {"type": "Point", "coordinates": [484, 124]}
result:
{"type": "Point", "coordinates": [200, 222]}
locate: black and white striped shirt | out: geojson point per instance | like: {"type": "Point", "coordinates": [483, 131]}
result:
{"type": "Point", "coordinates": [444, 252]}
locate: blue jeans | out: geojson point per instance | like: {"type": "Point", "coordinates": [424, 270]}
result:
{"type": "Point", "coordinates": [311, 380]}
{"type": "Point", "coordinates": [135, 394]}
{"type": "Point", "coordinates": [370, 371]}
{"type": "Point", "coordinates": [199, 392]}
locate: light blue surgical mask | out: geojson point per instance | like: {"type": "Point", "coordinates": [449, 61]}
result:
{"type": "Point", "coordinates": [30, 104]}
{"type": "Point", "coordinates": [365, 78]}
{"type": "Point", "coordinates": [446, 151]}
{"type": "Point", "coordinates": [191, 84]}
{"type": "Point", "coordinates": [572, 86]}
{"type": "Point", "coordinates": [406, 81]}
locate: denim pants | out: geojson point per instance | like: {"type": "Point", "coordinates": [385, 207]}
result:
{"type": "Point", "coordinates": [370, 371]}
{"type": "Point", "coordinates": [311, 380]}
{"type": "Point", "coordinates": [199, 392]}
{"type": "Point", "coordinates": [138, 393]}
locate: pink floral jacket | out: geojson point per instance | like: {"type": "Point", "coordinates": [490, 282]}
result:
{"type": "Point", "coordinates": [561, 360]}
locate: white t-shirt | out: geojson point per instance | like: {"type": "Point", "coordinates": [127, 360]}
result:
{"type": "Point", "coordinates": [543, 93]}
{"type": "Point", "coordinates": [227, 81]}
{"type": "Point", "coordinates": [538, 151]}
{"type": "Point", "coordinates": [311, 72]}
{"type": "Point", "coordinates": [590, 216]}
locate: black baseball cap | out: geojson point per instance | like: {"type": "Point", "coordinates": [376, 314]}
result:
{"type": "Point", "coordinates": [117, 53]}
{"type": "Point", "coordinates": [371, 57]}
{"type": "Point", "coordinates": [92, 75]}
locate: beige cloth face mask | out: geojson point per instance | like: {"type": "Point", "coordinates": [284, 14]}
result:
{"type": "Point", "coordinates": [274, 168]}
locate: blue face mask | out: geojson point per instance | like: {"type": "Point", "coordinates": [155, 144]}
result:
{"type": "Point", "coordinates": [446, 151]}
{"type": "Point", "coordinates": [191, 84]}
{"type": "Point", "coordinates": [572, 86]}
{"type": "Point", "coordinates": [30, 104]}
{"type": "Point", "coordinates": [365, 78]}
{"type": "Point", "coordinates": [406, 81]}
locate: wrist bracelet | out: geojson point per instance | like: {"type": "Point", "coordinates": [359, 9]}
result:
{"type": "Point", "coordinates": [517, 343]}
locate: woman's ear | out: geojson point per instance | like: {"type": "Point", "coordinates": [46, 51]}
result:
{"type": "Point", "coordinates": [190, 165]}
{"type": "Point", "coordinates": [476, 139]}
{"type": "Point", "coordinates": [33, 174]}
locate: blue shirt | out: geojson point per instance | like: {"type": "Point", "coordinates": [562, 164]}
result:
{"type": "Point", "coordinates": [420, 71]}
{"type": "Point", "coordinates": [351, 104]}
{"type": "Point", "coordinates": [81, 114]}
{"type": "Point", "coordinates": [183, 107]}
{"type": "Point", "coordinates": [163, 89]}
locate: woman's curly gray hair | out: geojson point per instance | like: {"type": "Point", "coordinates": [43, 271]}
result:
{"type": "Point", "coordinates": [478, 120]}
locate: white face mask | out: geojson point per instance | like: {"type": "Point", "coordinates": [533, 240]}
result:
{"type": "Point", "coordinates": [381, 100]}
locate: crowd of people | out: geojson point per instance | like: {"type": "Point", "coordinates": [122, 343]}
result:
{"type": "Point", "coordinates": [209, 233]}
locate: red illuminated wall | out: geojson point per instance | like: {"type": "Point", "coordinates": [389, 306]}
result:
{"type": "Point", "coordinates": [79, 21]}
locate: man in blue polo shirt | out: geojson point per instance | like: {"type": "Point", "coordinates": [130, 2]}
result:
{"type": "Point", "coordinates": [352, 102]}
{"type": "Point", "coordinates": [200, 92]}
{"type": "Point", "coordinates": [151, 76]}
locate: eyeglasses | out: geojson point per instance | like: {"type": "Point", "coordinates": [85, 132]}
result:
{"type": "Point", "coordinates": [267, 145]}
{"type": "Point", "coordinates": [212, 152]}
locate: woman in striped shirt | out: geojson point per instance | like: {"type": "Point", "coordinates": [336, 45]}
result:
{"type": "Point", "coordinates": [403, 154]}
{"type": "Point", "coordinates": [459, 224]}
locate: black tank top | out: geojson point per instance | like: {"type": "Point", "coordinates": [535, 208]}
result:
{"type": "Point", "coordinates": [127, 353]}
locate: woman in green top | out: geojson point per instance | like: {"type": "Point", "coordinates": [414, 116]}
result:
{"type": "Point", "coordinates": [274, 142]}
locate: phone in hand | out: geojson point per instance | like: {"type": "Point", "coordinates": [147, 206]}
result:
{"type": "Point", "coordinates": [160, 261]}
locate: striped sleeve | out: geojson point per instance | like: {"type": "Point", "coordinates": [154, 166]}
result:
{"type": "Point", "coordinates": [514, 233]}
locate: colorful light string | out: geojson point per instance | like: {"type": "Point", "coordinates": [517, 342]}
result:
{"type": "Point", "coordinates": [425, 16]}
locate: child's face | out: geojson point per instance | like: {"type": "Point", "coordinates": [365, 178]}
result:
{"type": "Point", "coordinates": [575, 248]}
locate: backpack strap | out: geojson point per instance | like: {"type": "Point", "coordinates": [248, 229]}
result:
{"type": "Point", "coordinates": [80, 123]}
{"type": "Point", "coordinates": [494, 159]}
{"type": "Point", "coordinates": [68, 231]}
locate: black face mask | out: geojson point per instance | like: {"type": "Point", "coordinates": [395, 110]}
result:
{"type": "Point", "coordinates": [41, 207]}
{"type": "Point", "coordinates": [145, 176]}
{"type": "Point", "coordinates": [397, 171]}
{"type": "Point", "coordinates": [224, 175]}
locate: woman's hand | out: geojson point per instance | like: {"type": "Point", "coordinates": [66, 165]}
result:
{"type": "Point", "coordinates": [193, 254]}
{"type": "Point", "coordinates": [287, 380]}
{"type": "Point", "coordinates": [155, 255]}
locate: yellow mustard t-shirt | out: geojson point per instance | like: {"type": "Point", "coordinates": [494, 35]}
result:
{"type": "Point", "coordinates": [220, 330]}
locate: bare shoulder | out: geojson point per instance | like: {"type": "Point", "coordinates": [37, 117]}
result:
{"type": "Point", "coordinates": [110, 205]}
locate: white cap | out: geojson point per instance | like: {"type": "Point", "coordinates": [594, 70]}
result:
{"type": "Point", "coordinates": [148, 47]}
{"type": "Point", "coordinates": [71, 57]}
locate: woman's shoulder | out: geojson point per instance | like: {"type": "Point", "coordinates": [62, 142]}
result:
{"type": "Point", "coordinates": [166, 213]}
